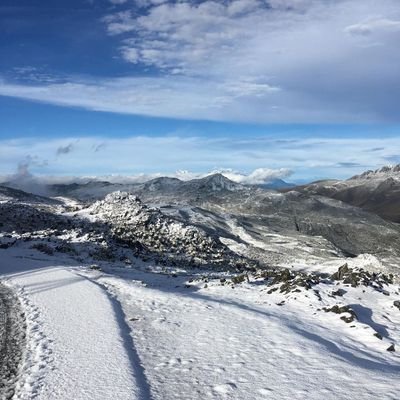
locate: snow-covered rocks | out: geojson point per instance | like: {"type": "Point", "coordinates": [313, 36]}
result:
{"type": "Point", "coordinates": [148, 232]}
{"type": "Point", "coordinates": [380, 173]}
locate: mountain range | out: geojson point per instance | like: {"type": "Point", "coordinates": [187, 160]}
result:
{"type": "Point", "coordinates": [375, 191]}
{"type": "Point", "coordinates": [321, 220]}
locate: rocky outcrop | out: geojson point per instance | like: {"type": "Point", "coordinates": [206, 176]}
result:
{"type": "Point", "coordinates": [148, 232]}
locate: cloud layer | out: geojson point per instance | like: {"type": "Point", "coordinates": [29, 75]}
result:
{"type": "Point", "coordinates": [244, 160]}
{"type": "Point", "coordinates": [245, 60]}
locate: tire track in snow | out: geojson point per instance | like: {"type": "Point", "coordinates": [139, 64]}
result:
{"type": "Point", "coordinates": [125, 332]}
{"type": "Point", "coordinates": [12, 341]}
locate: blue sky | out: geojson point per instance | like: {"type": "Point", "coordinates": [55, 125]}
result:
{"type": "Point", "coordinates": [293, 89]}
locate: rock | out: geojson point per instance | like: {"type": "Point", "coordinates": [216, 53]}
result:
{"type": "Point", "coordinates": [357, 276]}
{"type": "Point", "coordinates": [238, 279]}
{"type": "Point", "coordinates": [340, 310]}
{"type": "Point", "coordinates": [339, 292]}
{"type": "Point", "coordinates": [340, 273]}
{"type": "Point", "coordinates": [391, 348]}
{"type": "Point", "coordinates": [396, 303]}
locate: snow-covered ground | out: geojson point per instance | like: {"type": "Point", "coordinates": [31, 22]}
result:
{"type": "Point", "coordinates": [126, 333]}
{"type": "Point", "coordinates": [79, 347]}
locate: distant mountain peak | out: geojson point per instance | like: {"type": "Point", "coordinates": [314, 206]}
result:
{"type": "Point", "coordinates": [218, 182]}
{"type": "Point", "coordinates": [383, 172]}
{"type": "Point", "coordinates": [163, 182]}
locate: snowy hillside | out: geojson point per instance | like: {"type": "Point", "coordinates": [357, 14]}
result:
{"type": "Point", "coordinates": [390, 171]}
{"type": "Point", "coordinates": [375, 191]}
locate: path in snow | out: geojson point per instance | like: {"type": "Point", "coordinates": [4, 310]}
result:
{"type": "Point", "coordinates": [80, 347]}
{"type": "Point", "coordinates": [191, 343]}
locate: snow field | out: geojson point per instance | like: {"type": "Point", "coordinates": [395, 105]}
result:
{"type": "Point", "coordinates": [131, 334]}
{"type": "Point", "coordinates": [223, 343]}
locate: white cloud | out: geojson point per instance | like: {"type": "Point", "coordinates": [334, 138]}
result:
{"type": "Point", "coordinates": [374, 25]}
{"type": "Point", "coordinates": [257, 177]}
{"type": "Point", "coordinates": [306, 49]}
{"type": "Point", "coordinates": [244, 160]}
{"type": "Point", "coordinates": [179, 98]}
{"type": "Point", "coordinates": [245, 60]}
{"type": "Point", "coordinates": [261, 175]}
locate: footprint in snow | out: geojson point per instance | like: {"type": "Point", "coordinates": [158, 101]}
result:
{"type": "Point", "coordinates": [225, 388]}
{"type": "Point", "coordinates": [265, 391]}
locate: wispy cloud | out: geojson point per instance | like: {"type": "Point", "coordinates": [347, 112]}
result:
{"type": "Point", "coordinates": [65, 149]}
{"type": "Point", "coordinates": [248, 160]}
{"type": "Point", "coordinates": [374, 25]}
{"type": "Point", "coordinates": [244, 60]}
{"type": "Point", "coordinates": [98, 147]}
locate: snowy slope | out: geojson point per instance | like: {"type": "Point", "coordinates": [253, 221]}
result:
{"type": "Point", "coordinates": [375, 191]}
{"type": "Point", "coordinates": [132, 327]}
{"type": "Point", "coordinates": [125, 333]}
{"type": "Point", "coordinates": [209, 341]}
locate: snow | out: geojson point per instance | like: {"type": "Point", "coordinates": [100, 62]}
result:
{"type": "Point", "coordinates": [218, 343]}
{"type": "Point", "coordinates": [79, 348]}
{"type": "Point", "coordinates": [131, 333]}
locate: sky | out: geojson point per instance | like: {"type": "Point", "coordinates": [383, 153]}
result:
{"type": "Point", "coordinates": [258, 89]}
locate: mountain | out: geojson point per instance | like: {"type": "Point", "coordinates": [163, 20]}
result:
{"type": "Point", "coordinates": [85, 191]}
{"type": "Point", "coordinates": [268, 226]}
{"type": "Point", "coordinates": [16, 195]}
{"type": "Point", "coordinates": [95, 190]}
{"type": "Point", "coordinates": [277, 184]}
{"type": "Point", "coordinates": [375, 191]}
{"type": "Point", "coordinates": [214, 183]}
{"type": "Point", "coordinates": [217, 277]}
{"type": "Point", "coordinates": [118, 227]}
{"type": "Point", "coordinates": [265, 226]}
{"type": "Point", "coordinates": [162, 183]}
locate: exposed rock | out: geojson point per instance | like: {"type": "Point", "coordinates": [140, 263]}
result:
{"type": "Point", "coordinates": [342, 309]}
{"type": "Point", "coordinates": [341, 272]}
{"type": "Point", "coordinates": [291, 281]}
{"type": "Point", "coordinates": [391, 348]}
{"type": "Point", "coordinates": [358, 276]}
